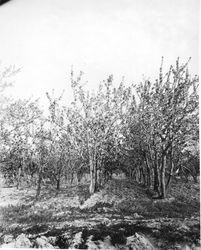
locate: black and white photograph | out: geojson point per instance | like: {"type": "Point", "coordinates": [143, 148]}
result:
{"type": "Point", "coordinates": [99, 124]}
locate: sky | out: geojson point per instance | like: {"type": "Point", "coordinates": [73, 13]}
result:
{"type": "Point", "coordinates": [45, 38]}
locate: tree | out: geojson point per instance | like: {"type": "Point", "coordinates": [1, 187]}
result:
{"type": "Point", "coordinates": [148, 131]}
{"type": "Point", "coordinates": [17, 140]}
{"type": "Point", "coordinates": [166, 109]}
{"type": "Point", "coordinates": [97, 121]}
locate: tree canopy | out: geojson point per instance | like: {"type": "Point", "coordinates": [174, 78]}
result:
{"type": "Point", "coordinates": [148, 131]}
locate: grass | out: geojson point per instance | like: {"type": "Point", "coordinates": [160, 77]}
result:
{"type": "Point", "coordinates": [73, 207]}
{"type": "Point", "coordinates": [119, 196]}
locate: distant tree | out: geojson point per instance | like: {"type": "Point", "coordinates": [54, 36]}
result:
{"type": "Point", "coordinates": [17, 137]}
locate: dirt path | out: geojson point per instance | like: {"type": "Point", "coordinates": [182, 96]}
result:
{"type": "Point", "coordinates": [119, 211]}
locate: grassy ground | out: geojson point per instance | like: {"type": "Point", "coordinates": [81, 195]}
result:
{"type": "Point", "coordinates": [121, 201]}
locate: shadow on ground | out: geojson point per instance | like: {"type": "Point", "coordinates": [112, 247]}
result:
{"type": "Point", "coordinates": [122, 206]}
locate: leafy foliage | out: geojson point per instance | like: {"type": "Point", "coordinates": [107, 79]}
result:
{"type": "Point", "coordinates": [148, 131]}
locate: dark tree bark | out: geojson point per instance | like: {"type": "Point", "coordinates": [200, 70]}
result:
{"type": "Point", "coordinates": [58, 184]}
{"type": "Point", "coordinates": [19, 176]}
{"type": "Point", "coordinates": [162, 186]}
{"type": "Point", "coordinates": [171, 170]}
{"type": "Point", "coordinates": [58, 180]}
{"type": "Point", "coordinates": [93, 177]}
{"type": "Point", "coordinates": [39, 182]}
{"type": "Point", "coordinates": [156, 177]}
{"type": "Point", "coordinates": [148, 171]}
{"type": "Point", "coordinates": [72, 177]}
{"type": "Point", "coordinates": [143, 176]}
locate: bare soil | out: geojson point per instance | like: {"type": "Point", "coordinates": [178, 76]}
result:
{"type": "Point", "coordinates": [120, 210]}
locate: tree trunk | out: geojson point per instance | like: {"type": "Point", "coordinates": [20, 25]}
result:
{"type": "Point", "coordinates": [140, 175]}
{"type": "Point", "coordinates": [98, 177]}
{"type": "Point", "coordinates": [156, 178]}
{"type": "Point", "coordinates": [18, 176]}
{"type": "Point", "coordinates": [133, 174]}
{"type": "Point", "coordinates": [143, 176]}
{"type": "Point", "coordinates": [162, 187]}
{"type": "Point", "coordinates": [72, 177]}
{"type": "Point", "coordinates": [130, 173]}
{"type": "Point", "coordinates": [58, 184]}
{"type": "Point", "coordinates": [171, 172]}
{"type": "Point", "coordinates": [78, 178]}
{"type": "Point", "coordinates": [59, 177]}
{"type": "Point", "coordinates": [39, 183]}
{"type": "Point", "coordinates": [148, 177]}
{"type": "Point", "coordinates": [93, 177]}
{"type": "Point", "coordinates": [101, 173]}
{"type": "Point", "coordinates": [148, 171]}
